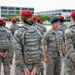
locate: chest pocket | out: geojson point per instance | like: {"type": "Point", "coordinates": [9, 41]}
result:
{"type": "Point", "coordinates": [55, 40]}
{"type": "Point", "coordinates": [52, 38]}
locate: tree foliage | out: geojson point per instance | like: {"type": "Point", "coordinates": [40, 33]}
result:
{"type": "Point", "coordinates": [9, 17]}
{"type": "Point", "coordinates": [44, 17]}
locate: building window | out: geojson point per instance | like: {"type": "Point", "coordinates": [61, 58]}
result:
{"type": "Point", "coordinates": [59, 10]}
{"type": "Point", "coordinates": [11, 8]}
{"type": "Point", "coordinates": [3, 11]}
{"type": "Point", "coordinates": [2, 15]}
{"type": "Point", "coordinates": [3, 7]}
{"type": "Point", "coordinates": [59, 14]}
{"type": "Point", "coordinates": [72, 10]}
{"type": "Point", "coordinates": [24, 8]}
{"type": "Point", "coordinates": [68, 10]}
{"type": "Point", "coordinates": [17, 8]}
{"type": "Point", "coordinates": [56, 10]}
{"type": "Point", "coordinates": [63, 10]}
{"type": "Point", "coordinates": [11, 12]}
{"type": "Point", "coordinates": [31, 9]}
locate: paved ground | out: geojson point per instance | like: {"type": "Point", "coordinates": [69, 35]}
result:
{"type": "Point", "coordinates": [12, 66]}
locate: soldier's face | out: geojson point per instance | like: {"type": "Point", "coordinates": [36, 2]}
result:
{"type": "Point", "coordinates": [71, 20]}
{"type": "Point", "coordinates": [55, 25]}
{"type": "Point", "coordinates": [34, 21]}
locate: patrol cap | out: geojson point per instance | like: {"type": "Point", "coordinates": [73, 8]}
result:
{"type": "Point", "coordinates": [1, 21]}
{"type": "Point", "coordinates": [54, 19]}
{"type": "Point", "coordinates": [61, 18]}
{"type": "Point", "coordinates": [26, 13]}
{"type": "Point", "coordinates": [33, 17]}
{"type": "Point", "coordinates": [72, 14]}
{"type": "Point", "coordinates": [13, 20]}
{"type": "Point", "coordinates": [38, 20]}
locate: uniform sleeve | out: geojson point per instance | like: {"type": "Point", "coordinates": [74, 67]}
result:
{"type": "Point", "coordinates": [11, 29]}
{"type": "Point", "coordinates": [45, 29]}
{"type": "Point", "coordinates": [18, 51]}
{"type": "Point", "coordinates": [45, 38]}
{"type": "Point", "coordinates": [60, 28]}
{"type": "Point", "coordinates": [68, 41]}
{"type": "Point", "coordinates": [13, 42]}
{"type": "Point", "coordinates": [62, 38]}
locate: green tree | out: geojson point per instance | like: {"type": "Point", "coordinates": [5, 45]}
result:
{"type": "Point", "coordinates": [9, 17]}
{"type": "Point", "coordinates": [44, 17]}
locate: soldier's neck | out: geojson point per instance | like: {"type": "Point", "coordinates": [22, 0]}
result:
{"type": "Point", "coordinates": [54, 29]}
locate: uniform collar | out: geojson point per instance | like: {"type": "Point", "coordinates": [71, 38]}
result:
{"type": "Point", "coordinates": [72, 26]}
{"type": "Point", "coordinates": [53, 32]}
{"type": "Point", "coordinates": [61, 24]}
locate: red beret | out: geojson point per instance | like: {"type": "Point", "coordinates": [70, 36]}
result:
{"type": "Point", "coordinates": [38, 20]}
{"type": "Point", "coordinates": [26, 13]}
{"type": "Point", "coordinates": [73, 14]}
{"type": "Point", "coordinates": [33, 17]}
{"type": "Point", "coordinates": [1, 21]}
{"type": "Point", "coordinates": [61, 18]}
{"type": "Point", "coordinates": [13, 20]}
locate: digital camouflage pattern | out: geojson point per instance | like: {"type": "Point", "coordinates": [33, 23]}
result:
{"type": "Point", "coordinates": [70, 51]}
{"type": "Point", "coordinates": [13, 28]}
{"type": "Point", "coordinates": [20, 64]}
{"type": "Point", "coordinates": [7, 61]}
{"type": "Point", "coordinates": [62, 28]}
{"type": "Point", "coordinates": [53, 40]}
{"type": "Point", "coordinates": [41, 65]}
{"type": "Point", "coordinates": [42, 27]}
{"type": "Point", "coordinates": [30, 44]}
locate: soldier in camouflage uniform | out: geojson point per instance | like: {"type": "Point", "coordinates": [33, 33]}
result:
{"type": "Point", "coordinates": [7, 43]}
{"type": "Point", "coordinates": [41, 65]}
{"type": "Point", "coordinates": [70, 44]}
{"type": "Point", "coordinates": [14, 26]}
{"type": "Point", "coordinates": [24, 66]}
{"type": "Point", "coordinates": [4, 24]}
{"type": "Point", "coordinates": [40, 25]}
{"type": "Point", "coordinates": [62, 27]}
{"type": "Point", "coordinates": [53, 48]}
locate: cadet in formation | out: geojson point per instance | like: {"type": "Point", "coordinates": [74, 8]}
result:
{"type": "Point", "coordinates": [53, 48]}
{"type": "Point", "coordinates": [14, 26]}
{"type": "Point", "coordinates": [62, 27]}
{"type": "Point", "coordinates": [7, 44]}
{"type": "Point", "coordinates": [40, 25]}
{"type": "Point", "coordinates": [70, 47]}
{"type": "Point", "coordinates": [28, 55]}
{"type": "Point", "coordinates": [40, 30]}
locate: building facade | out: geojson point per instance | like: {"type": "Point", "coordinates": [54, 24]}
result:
{"type": "Point", "coordinates": [62, 12]}
{"type": "Point", "coordinates": [4, 10]}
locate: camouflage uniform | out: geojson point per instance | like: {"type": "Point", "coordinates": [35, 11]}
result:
{"type": "Point", "coordinates": [70, 51]}
{"type": "Point", "coordinates": [53, 40]}
{"type": "Point", "coordinates": [7, 61]}
{"type": "Point", "coordinates": [62, 28]}
{"type": "Point", "coordinates": [20, 64]}
{"type": "Point", "coordinates": [13, 28]}
{"type": "Point", "coordinates": [42, 27]}
{"type": "Point", "coordinates": [6, 28]}
{"type": "Point", "coordinates": [41, 65]}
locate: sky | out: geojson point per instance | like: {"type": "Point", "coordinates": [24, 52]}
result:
{"type": "Point", "coordinates": [41, 5]}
